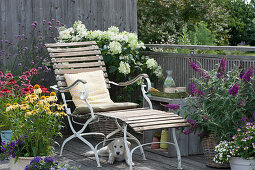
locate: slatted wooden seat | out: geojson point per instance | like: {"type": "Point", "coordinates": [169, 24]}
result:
{"type": "Point", "coordinates": [86, 56]}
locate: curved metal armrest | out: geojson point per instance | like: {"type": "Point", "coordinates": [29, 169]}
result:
{"type": "Point", "coordinates": [69, 87]}
{"type": "Point", "coordinates": [140, 76]}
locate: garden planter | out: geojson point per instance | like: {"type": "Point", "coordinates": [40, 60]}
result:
{"type": "Point", "coordinates": [6, 136]}
{"type": "Point", "coordinates": [21, 163]}
{"type": "Point", "coordinates": [208, 145]}
{"type": "Point", "coordinates": [242, 164]}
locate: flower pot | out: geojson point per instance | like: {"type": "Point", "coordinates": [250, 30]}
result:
{"type": "Point", "coordinates": [208, 145]}
{"type": "Point", "coordinates": [21, 163]}
{"type": "Point", "coordinates": [6, 135]}
{"type": "Point", "coordinates": [242, 164]}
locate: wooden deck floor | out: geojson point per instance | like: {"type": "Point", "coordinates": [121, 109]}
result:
{"type": "Point", "coordinates": [74, 154]}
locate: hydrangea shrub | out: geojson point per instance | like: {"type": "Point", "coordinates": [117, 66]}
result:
{"type": "Point", "coordinates": [121, 51]}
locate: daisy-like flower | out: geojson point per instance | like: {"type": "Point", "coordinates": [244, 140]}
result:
{"type": "Point", "coordinates": [12, 81]}
{"type": "Point", "coordinates": [24, 106]}
{"type": "Point", "coordinates": [61, 107]}
{"type": "Point", "coordinates": [5, 91]}
{"type": "Point", "coordinates": [246, 147]}
{"type": "Point", "coordinates": [9, 76]}
{"type": "Point", "coordinates": [33, 71]}
{"type": "Point", "coordinates": [28, 113]}
{"type": "Point", "coordinates": [52, 97]}
{"type": "Point", "coordinates": [234, 136]}
{"type": "Point", "coordinates": [253, 145]}
{"type": "Point", "coordinates": [27, 73]}
{"type": "Point", "coordinates": [37, 89]}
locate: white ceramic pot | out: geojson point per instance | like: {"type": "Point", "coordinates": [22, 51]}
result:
{"type": "Point", "coordinates": [242, 164]}
{"type": "Point", "coordinates": [20, 164]}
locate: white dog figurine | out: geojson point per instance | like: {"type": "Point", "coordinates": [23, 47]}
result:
{"type": "Point", "coordinates": [115, 150]}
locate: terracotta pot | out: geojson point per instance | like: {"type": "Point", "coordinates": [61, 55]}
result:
{"type": "Point", "coordinates": [237, 163]}
{"type": "Point", "coordinates": [21, 163]}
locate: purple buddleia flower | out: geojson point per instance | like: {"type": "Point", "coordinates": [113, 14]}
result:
{"type": "Point", "coordinates": [241, 74]}
{"type": "Point", "coordinates": [234, 89]}
{"type": "Point", "coordinates": [194, 66]}
{"type": "Point", "coordinates": [186, 131]}
{"type": "Point", "coordinates": [222, 68]}
{"type": "Point", "coordinates": [247, 76]}
{"type": "Point", "coordinates": [193, 89]}
{"type": "Point", "coordinates": [173, 106]}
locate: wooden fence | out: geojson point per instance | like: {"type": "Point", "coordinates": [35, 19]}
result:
{"type": "Point", "coordinates": [95, 14]}
{"type": "Point", "coordinates": [178, 62]}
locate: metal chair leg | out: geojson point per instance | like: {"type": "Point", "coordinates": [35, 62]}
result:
{"type": "Point", "coordinates": [179, 166]}
{"type": "Point", "coordinates": [139, 144]}
{"type": "Point", "coordinates": [65, 141]}
{"type": "Point", "coordinates": [127, 149]}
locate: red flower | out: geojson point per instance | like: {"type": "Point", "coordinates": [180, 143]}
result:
{"type": "Point", "coordinates": [9, 76]}
{"type": "Point", "coordinates": [27, 73]}
{"type": "Point", "coordinates": [3, 83]}
{"type": "Point", "coordinates": [31, 88]}
{"type": "Point", "coordinates": [44, 90]}
{"type": "Point", "coordinates": [5, 91]}
{"type": "Point", "coordinates": [12, 81]}
{"type": "Point", "coordinates": [25, 91]}
{"type": "Point", "coordinates": [1, 95]}
{"type": "Point", "coordinates": [33, 71]}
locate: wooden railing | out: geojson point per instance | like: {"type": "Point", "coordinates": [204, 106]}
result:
{"type": "Point", "coordinates": [178, 62]}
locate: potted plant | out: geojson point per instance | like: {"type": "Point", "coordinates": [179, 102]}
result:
{"type": "Point", "coordinates": [36, 121]}
{"type": "Point", "coordinates": [240, 151]}
{"type": "Point", "coordinates": [217, 102]}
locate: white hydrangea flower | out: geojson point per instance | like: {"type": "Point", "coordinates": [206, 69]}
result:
{"type": "Point", "coordinates": [124, 68]}
{"type": "Point", "coordinates": [118, 37]}
{"type": "Point", "coordinates": [107, 35]}
{"type": "Point", "coordinates": [124, 57]}
{"type": "Point", "coordinates": [113, 29]}
{"type": "Point", "coordinates": [66, 34]}
{"type": "Point", "coordinates": [97, 34]}
{"type": "Point", "coordinates": [76, 38]}
{"type": "Point", "coordinates": [83, 33]}
{"type": "Point", "coordinates": [151, 63]}
{"type": "Point", "coordinates": [158, 72]}
{"type": "Point", "coordinates": [115, 47]}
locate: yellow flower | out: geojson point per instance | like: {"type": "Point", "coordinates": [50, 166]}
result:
{"type": "Point", "coordinates": [52, 99]}
{"type": "Point", "coordinates": [63, 114]}
{"type": "Point", "coordinates": [61, 107]}
{"type": "Point", "coordinates": [36, 86]}
{"type": "Point", "coordinates": [24, 106]}
{"type": "Point", "coordinates": [8, 104]}
{"type": "Point", "coordinates": [38, 91]}
{"type": "Point", "coordinates": [54, 104]}
{"type": "Point", "coordinates": [24, 102]}
{"type": "Point", "coordinates": [28, 113]}
{"type": "Point", "coordinates": [52, 94]}
{"type": "Point", "coordinates": [34, 112]}
{"type": "Point", "coordinates": [43, 98]}
{"type": "Point", "coordinates": [9, 108]}
{"type": "Point", "coordinates": [15, 106]}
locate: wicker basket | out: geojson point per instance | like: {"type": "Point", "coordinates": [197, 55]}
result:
{"type": "Point", "coordinates": [104, 125]}
{"type": "Point", "coordinates": [208, 145]}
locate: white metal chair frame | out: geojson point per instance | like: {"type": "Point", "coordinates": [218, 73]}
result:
{"type": "Point", "coordinates": [79, 134]}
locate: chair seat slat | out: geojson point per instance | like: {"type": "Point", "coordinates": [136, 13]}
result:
{"type": "Point", "coordinates": [78, 65]}
{"type": "Point", "coordinates": [80, 70]}
{"type": "Point", "coordinates": [72, 54]}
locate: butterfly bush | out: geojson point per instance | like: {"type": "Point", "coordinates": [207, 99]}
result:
{"type": "Point", "coordinates": [242, 145]}
{"type": "Point", "coordinates": [37, 119]}
{"type": "Point", "coordinates": [121, 51]}
{"type": "Point", "coordinates": [219, 99]}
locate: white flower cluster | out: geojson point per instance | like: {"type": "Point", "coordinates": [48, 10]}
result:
{"type": "Point", "coordinates": [224, 151]}
{"type": "Point", "coordinates": [151, 63]}
{"type": "Point", "coordinates": [65, 34]}
{"type": "Point", "coordinates": [115, 47]}
{"type": "Point", "coordinates": [124, 68]}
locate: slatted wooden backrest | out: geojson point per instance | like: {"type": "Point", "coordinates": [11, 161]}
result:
{"type": "Point", "coordinates": [75, 57]}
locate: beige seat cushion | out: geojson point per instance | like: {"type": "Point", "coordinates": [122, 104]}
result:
{"type": "Point", "coordinates": [105, 107]}
{"type": "Point", "coordinates": [98, 92]}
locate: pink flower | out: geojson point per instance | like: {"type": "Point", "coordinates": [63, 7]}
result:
{"type": "Point", "coordinates": [243, 139]}
{"type": "Point", "coordinates": [23, 77]}
{"type": "Point", "coordinates": [5, 91]}
{"type": "Point", "coordinates": [33, 71]}
{"type": "Point", "coordinates": [222, 68]}
{"type": "Point", "coordinates": [27, 73]}
{"type": "Point", "coordinates": [12, 81]}
{"type": "Point", "coordinates": [25, 91]}
{"type": "Point", "coordinates": [3, 83]}
{"type": "Point", "coordinates": [1, 74]}
{"type": "Point", "coordinates": [234, 90]}
{"type": "Point", "coordinates": [253, 145]}
{"type": "Point", "coordinates": [9, 76]}
{"type": "Point", "coordinates": [234, 137]}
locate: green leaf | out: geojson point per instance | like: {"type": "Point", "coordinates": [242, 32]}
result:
{"type": "Point", "coordinates": [112, 69]}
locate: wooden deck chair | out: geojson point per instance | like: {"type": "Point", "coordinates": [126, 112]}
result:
{"type": "Point", "coordinates": [80, 70]}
